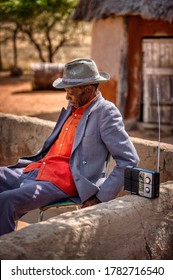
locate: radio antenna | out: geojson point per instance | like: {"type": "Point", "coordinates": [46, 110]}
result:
{"type": "Point", "coordinates": [158, 110]}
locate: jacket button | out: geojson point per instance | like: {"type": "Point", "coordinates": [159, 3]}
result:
{"type": "Point", "coordinates": [84, 162]}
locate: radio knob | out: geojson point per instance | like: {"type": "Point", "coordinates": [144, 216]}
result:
{"type": "Point", "coordinates": [147, 189]}
{"type": "Point", "coordinates": [147, 180]}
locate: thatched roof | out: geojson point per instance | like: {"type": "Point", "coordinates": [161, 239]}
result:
{"type": "Point", "coordinates": [88, 10]}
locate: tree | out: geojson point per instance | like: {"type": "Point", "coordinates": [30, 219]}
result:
{"type": "Point", "coordinates": [8, 32]}
{"type": "Point", "coordinates": [47, 23]}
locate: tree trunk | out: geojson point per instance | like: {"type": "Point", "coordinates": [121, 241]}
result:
{"type": "Point", "coordinates": [1, 64]}
{"type": "Point", "coordinates": [15, 54]}
{"type": "Point", "coordinates": [49, 47]}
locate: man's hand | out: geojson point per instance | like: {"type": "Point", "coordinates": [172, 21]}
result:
{"type": "Point", "coordinates": [91, 201]}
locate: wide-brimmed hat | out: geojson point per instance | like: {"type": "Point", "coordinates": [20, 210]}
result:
{"type": "Point", "coordinates": [80, 71]}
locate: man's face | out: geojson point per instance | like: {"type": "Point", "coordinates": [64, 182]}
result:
{"type": "Point", "coordinates": [79, 96]}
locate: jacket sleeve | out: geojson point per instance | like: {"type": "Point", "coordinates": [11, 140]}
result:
{"type": "Point", "coordinates": [121, 148]}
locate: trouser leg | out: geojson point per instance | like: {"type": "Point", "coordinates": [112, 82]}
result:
{"type": "Point", "coordinates": [25, 196]}
{"type": "Point", "coordinates": [10, 178]}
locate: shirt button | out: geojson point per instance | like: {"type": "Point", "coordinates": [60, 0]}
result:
{"type": "Point", "coordinates": [44, 162]}
{"type": "Point", "coordinates": [75, 115]}
{"type": "Point", "coordinates": [61, 144]}
{"type": "Point", "coordinates": [66, 128]}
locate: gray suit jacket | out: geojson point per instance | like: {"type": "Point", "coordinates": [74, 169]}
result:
{"type": "Point", "coordinates": [100, 131]}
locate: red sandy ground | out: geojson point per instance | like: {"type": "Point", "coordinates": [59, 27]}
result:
{"type": "Point", "coordinates": [17, 97]}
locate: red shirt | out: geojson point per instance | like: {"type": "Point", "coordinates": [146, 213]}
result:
{"type": "Point", "coordinates": [55, 167]}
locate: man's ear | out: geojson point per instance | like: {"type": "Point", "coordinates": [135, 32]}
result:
{"type": "Point", "coordinates": [89, 88]}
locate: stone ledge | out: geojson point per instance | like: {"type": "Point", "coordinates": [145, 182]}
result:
{"type": "Point", "coordinates": [130, 227]}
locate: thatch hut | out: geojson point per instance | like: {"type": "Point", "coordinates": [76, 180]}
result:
{"type": "Point", "coordinates": [133, 41]}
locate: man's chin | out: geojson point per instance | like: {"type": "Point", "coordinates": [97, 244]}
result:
{"type": "Point", "coordinates": [75, 105]}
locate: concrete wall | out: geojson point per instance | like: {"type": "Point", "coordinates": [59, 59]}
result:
{"type": "Point", "coordinates": [21, 136]}
{"type": "Point", "coordinates": [130, 227]}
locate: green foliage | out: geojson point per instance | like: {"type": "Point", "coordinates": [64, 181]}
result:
{"type": "Point", "coordinates": [41, 21]}
{"type": "Point", "coordinates": [18, 10]}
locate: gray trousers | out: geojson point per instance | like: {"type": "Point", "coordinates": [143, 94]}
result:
{"type": "Point", "coordinates": [20, 193]}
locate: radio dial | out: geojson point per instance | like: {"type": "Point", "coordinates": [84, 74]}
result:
{"type": "Point", "coordinates": [147, 189]}
{"type": "Point", "coordinates": [147, 180]}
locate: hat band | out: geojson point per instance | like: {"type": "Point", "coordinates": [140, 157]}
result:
{"type": "Point", "coordinates": [67, 80]}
